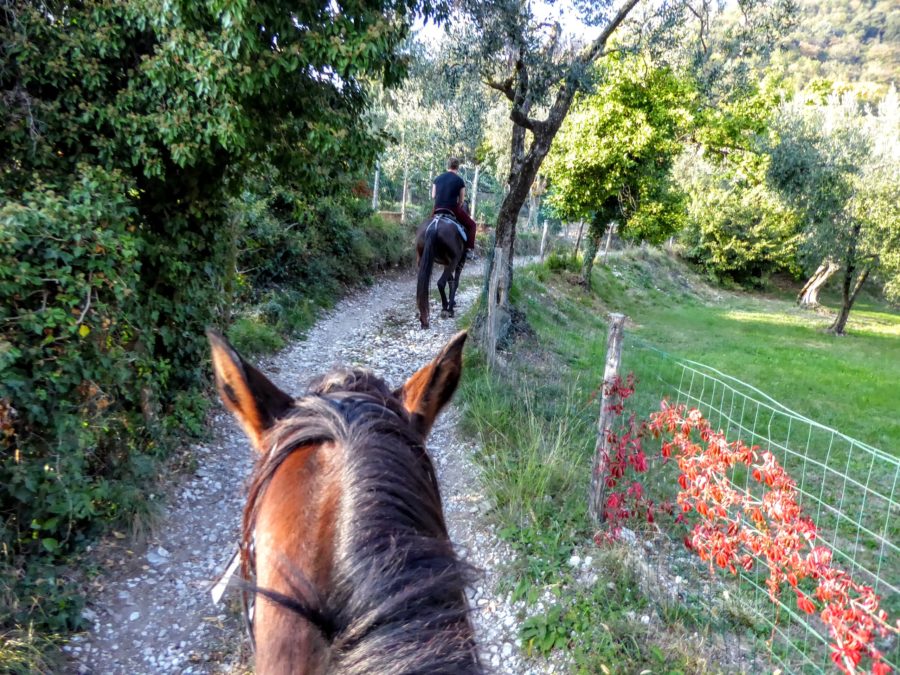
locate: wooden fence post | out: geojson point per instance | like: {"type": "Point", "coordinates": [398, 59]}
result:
{"type": "Point", "coordinates": [609, 235]}
{"type": "Point", "coordinates": [376, 186]}
{"type": "Point", "coordinates": [492, 314]}
{"type": "Point", "coordinates": [544, 239]}
{"type": "Point", "coordinates": [597, 497]}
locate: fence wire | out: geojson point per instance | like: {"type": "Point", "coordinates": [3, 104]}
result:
{"type": "Point", "coordinates": [849, 488]}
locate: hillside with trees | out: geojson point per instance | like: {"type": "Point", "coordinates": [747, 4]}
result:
{"type": "Point", "coordinates": [853, 44]}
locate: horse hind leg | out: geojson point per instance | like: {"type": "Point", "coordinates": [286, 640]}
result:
{"type": "Point", "coordinates": [454, 284]}
{"type": "Point", "coordinates": [442, 284]}
{"type": "Point", "coordinates": [452, 304]}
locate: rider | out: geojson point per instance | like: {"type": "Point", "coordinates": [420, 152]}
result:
{"type": "Point", "coordinates": [449, 194]}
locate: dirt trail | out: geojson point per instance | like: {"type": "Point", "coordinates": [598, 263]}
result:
{"type": "Point", "coordinates": [152, 611]}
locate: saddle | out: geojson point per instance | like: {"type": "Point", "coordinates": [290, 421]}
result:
{"type": "Point", "coordinates": [448, 215]}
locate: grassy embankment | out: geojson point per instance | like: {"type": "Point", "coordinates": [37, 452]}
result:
{"type": "Point", "coordinates": [271, 315]}
{"type": "Point", "coordinates": [537, 427]}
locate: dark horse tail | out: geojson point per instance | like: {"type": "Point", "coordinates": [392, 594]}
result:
{"type": "Point", "coordinates": [426, 264]}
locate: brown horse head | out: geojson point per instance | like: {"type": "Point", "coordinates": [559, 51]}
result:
{"type": "Point", "coordinates": [350, 561]}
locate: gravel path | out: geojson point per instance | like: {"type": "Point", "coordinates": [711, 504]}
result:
{"type": "Point", "coordinates": [152, 611]}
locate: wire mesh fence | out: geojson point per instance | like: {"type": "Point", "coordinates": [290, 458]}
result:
{"type": "Point", "coordinates": [849, 488]}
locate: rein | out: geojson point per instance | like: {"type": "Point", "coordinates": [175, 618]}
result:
{"type": "Point", "coordinates": [243, 558]}
{"type": "Point", "coordinates": [248, 578]}
{"type": "Point", "coordinates": [249, 590]}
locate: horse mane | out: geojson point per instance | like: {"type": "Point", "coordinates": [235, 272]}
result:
{"type": "Point", "coordinates": [396, 603]}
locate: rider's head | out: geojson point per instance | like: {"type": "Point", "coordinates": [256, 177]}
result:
{"type": "Point", "coordinates": [453, 164]}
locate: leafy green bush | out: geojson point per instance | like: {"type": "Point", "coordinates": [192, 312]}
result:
{"type": "Point", "coordinates": [72, 376]}
{"type": "Point", "coordinates": [253, 336]}
{"type": "Point", "coordinates": [316, 246]}
{"type": "Point", "coordinates": [127, 133]}
{"type": "Point", "coordinates": [562, 262]}
{"type": "Point", "coordinates": [299, 256]}
{"type": "Point", "coordinates": [528, 243]}
{"type": "Point", "coordinates": [737, 228]}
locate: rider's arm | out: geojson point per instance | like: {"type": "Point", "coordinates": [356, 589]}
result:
{"type": "Point", "coordinates": [462, 196]}
{"type": "Point", "coordinates": [433, 190]}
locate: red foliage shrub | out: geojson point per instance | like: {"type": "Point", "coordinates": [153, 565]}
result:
{"type": "Point", "coordinates": [736, 529]}
{"type": "Point", "coordinates": [626, 499]}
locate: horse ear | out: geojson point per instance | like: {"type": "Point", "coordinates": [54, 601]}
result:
{"type": "Point", "coordinates": [246, 392]}
{"type": "Point", "coordinates": [429, 390]}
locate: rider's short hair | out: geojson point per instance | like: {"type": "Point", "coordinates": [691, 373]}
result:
{"type": "Point", "coordinates": [453, 163]}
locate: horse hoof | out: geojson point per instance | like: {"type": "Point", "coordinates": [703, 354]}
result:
{"type": "Point", "coordinates": [445, 313]}
{"type": "Point", "coordinates": [450, 313]}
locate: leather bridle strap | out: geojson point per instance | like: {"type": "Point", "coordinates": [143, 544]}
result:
{"type": "Point", "coordinates": [248, 576]}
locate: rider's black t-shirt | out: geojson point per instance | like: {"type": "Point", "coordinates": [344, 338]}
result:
{"type": "Point", "coordinates": [446, 190]}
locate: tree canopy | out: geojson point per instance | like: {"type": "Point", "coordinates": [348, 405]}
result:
{"type": "Point", "coordinates": [840, 164]}
{"type": "Point", "coordinates": [539, 69]}
{"type": "Point", "coordinates": [852, 44]}
{"type": "Point", "coordinates": [135, 138]}
{"type": "Point", "coordinates": [612, 157]}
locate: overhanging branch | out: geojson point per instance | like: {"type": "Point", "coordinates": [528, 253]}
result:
{"type": "Point", "coordinates": [523, 120]}
{"type": "Point", "coordinates": [505, 87]}
{"type": "Point", "coordinates": [596, 49]}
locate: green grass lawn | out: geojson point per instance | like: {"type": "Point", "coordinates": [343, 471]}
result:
{"type": "Point", "coordinates": [851, 383]}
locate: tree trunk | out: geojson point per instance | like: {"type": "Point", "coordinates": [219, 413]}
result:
{"type": "Point", "coordinates": [475, 193]}
{"type": "Point", "coordinates": [809, 294]}
{"type": "Point", "coordinates": [376, 186]}
{"type": "Point", "coordinates": [524, 166]}
{"type": "Point", "coordinates": [591, 246]}
{"type": "Point", "coordinates": [523, 170]}
{"type": "Point", "coordinates": [578, 240]}
{"type": "Point", "coordinates": [840, 322]}
{"type": "Point", "coordinates": [847, 295]}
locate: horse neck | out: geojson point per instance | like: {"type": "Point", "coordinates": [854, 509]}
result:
{"type": "Point", "coordinates": [355, 529]}
{"type": "Point", "coordinates": [295, 533]}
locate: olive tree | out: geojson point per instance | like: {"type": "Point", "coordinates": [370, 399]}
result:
{"type": "Point", "coordinates": [612, 157]}
{"type": "Point", "coordinates": [539, 67]}
{"type": "Point", "coordinates": [839, 164]}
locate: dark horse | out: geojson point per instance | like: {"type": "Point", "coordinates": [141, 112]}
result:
{"type": "Point", "coordinates": [439, 241]}
{"type": "Point", "coordinates": [344, 541]}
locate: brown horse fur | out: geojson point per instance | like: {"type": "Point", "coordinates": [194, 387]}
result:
{"type": "Point", "coordinates": [354, 570]}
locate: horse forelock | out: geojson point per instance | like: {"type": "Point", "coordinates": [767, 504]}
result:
{"type": "Point", "coordinates": [396, 600]}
